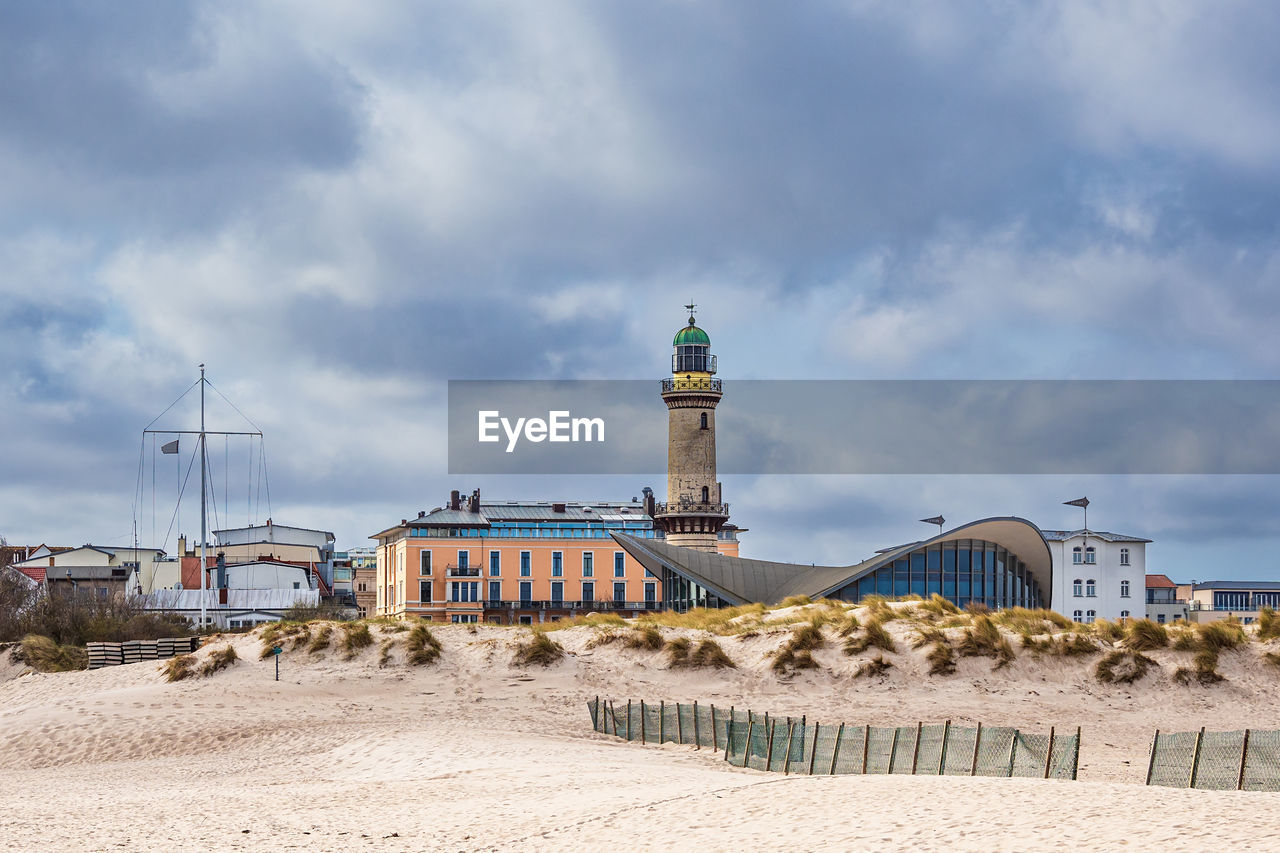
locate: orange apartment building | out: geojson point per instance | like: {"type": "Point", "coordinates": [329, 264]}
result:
{"type": "Point", "coordinates": [519, 562]}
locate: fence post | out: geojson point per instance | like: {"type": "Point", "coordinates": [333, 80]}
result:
{"type": "Point", "coordinates": [977, 739]}
{"type": "Point", "coordinates": [835, 750]}
{"type": "Point", "coordinates": [715, 733]}
{"type": "Point", "coordinates": [915, 752]}
{"type": "Point", "coordinates": [866, 741]}
{"type": "Point", "coordinates": [1195, 758]}
{"type": "Point", "coordinates": [595, 714]}
{"type": "Point", "coordinates": [629, 735]}
{"type": "Point", "coordinates": [679, 723]}
{"type": "Point", "coordinates": [813, 750]}
{"type": "Point", "coordinates": [1151, 761]}
{"type": "Point", "coordinates": [746, 750]}
{"type": "Point", "coordinates": [644, 735]}
{"type": "Point", "coordinates": [786, 762]}
{"type": "Point", "coordinates": [1244, 750]}
{"type": "Point", "coordinates": [1075, 757]}
{"type": "Point", "coordinates": [728, 738]}
{"type": "Point", "coordinates": [697, 741]}
{"type": "Point", "coordinates": [893, 750]}
{"type": "Point", "coordinates": [942, 754]}
{"type": "Point", "coordinates": [1013, 749]}
{"type": "Point", "coordinates": [662, 719]}
{"type": "Point", "coordinates": [613, 715]}
{"type": "Point", "coordinates": [1048, 754]}
{"type": "Point", "coordinates": [768, 749]}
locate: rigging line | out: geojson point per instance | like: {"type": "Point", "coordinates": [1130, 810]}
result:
{"type": "Point", "coordinates": [137, 489]}
{"type": "Point", "coordinates": [266, 478]}
{"type": "Point", "coordinates": [171, 405]}
{"type": "Point", "coordinates": [153, 490]}
{"type": "Point", "coordinates": [226, 468]}
{"type": "Point", "coordinates": [233, 405]}
{"type": "Point", "coordinates": [181, 491]}
{"type": "Point", "coordinates": [248, 489]}
{"type": "Point", "coordinates": [213, 489]}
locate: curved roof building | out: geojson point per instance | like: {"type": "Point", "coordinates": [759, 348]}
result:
{"type": "Point", "coordinates": [999, 562]}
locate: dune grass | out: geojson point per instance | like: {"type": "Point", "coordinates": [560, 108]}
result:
{"type": "Point", "coordinates": [276, 633]}
{"type": "Point", "coordinates": [1272, 658]}
{"type": "Point", "coordinates": [724, 621]}
{"type": "Point", "coordinates": [421, 646]}
{"type": "Point", "coordinates": [539, 649]}
{"type": "Point", "coordinates": [322, 639]}
{"type": "Point", "coordinates": [683, 654]}
{"type": "Point", "coordinates": [44, 655]}
{"type": "Point", "coordinates": [1268, 624]}
{"type": "Point", "coordinates": [1144, 635]}
{"type": "Point", "coordinates": [797, 652]}
{"type": "Point", "coordinates": [1062, 645]}
{"type": "Point", "coordinates": [1022, 620]}
{"type": "Point", "coordinates": [873, 635]}
{"type": "Point", "coordinates": [928, 635]}
{"type": "Point", "coordinates": [1123, 666]}
{"type": "Point", "coordinates": [179, 668]}
{"type": "Point", "coordinates": [937, 607]}
{"type": "Point", "coordinates": [878, 665]}
{"type": "Point", "coordinates": [794, 601]}
{"type": "Point", "coordinates": [384, 651]}
{"type": "Point", "coordinates": [604, 637]}
{"type": "Point", "coordinates": [942, 660]}
{"type": "Point", "coordinates": [645, 638]}
{"type": "Point", "coordinates": [218, 660]}
{"type": "Point", "coordinates": [589, 620]}
{"type": "Point", "coordinates": [356, 637]}
{"type": "Point", "coordinates": [1108, 631]}
{"type": "Point", "coordinates": [983, 638]}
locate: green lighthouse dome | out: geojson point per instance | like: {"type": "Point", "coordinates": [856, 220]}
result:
{"type": "Point", "coordinates": [691, 335]}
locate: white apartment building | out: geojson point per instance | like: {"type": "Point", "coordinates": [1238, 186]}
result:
{"type": "Point", "coordinates": [1098, 575]}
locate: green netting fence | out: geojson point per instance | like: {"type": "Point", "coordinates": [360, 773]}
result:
{"type": "Point", "coordinates": [1216, 761]}
{"type": "Point", "coordinates": [794, 745]}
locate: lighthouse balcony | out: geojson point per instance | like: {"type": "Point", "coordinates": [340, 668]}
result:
{"type": "Point", "coordinates": [690, 508]}
{"type": "Point", "coordinates": [691, 383]}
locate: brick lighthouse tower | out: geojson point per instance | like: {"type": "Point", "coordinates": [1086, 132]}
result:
{"type": "Point", "coordinates": [694, 510]}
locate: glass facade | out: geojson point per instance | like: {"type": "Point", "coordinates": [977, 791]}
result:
{"type": "Point", "coordinates": [961, 571]}
{"type": "Point", "coordinates": [680, 594]}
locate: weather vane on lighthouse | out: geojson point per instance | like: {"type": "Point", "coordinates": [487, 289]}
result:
{"type": "Point", "coordinates": [690, 306]}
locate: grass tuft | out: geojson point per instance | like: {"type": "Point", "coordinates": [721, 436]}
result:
{"type": "Point", "coordinates": [1272, 658]}
{"type": "Point", "coordinates": [321, 642]}
{"type": "Point", "coordinates": [1268, 624]}
{"type": "Point", "coordinates": [604, 637]}
{"type": "Point", "coordinates": [938, 606]}
{"type": "Point", "coordinates": [218, 660]}
{"type": "Point", "coordinates": [797, 652]}
{"type": "Point", "coordinates": [44, 655]}
{"type": "Point", "coordinates": [1123, 667]}
{"type": "Point", "coordinates": [926, 635]}
{"type": "Point", "coordinates": [538, 649]}
{"type": "Point", "coordinates": [878, 665]}
{"type": "Point", "coordinates": [179, 668]}
{"type": "Point", "coordinates": [355, 639]}
{"type": "Point", "coordinates": [682, 654]}
{"type": "Point", "coordinates": [1108, 631]}
{"type": "Point", "coordinates": [942, 661]}
{"type": "Point", "coordinates": [795, 601]}
{"type": "Point", "coordinates": [421, 646]}
{"type": "Point", "coordinates": [647, 638]}
{"type": "Point", "coordinates": [873, 635]}
{"type": "Point", "coordinates": [1144, 635]}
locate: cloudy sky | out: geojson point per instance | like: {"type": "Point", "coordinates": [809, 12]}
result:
{"type": "Point", "coordinates": [340, 206]}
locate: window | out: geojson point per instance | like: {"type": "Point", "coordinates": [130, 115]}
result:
{"type": "Point", "coordinates": [1090, 617]}
{"type": "Point", "coordinates": [1124, 589]}
{"type": "Point", "coordinates": [1090, 556]}
{"type": "Point", "coordinates": [1077, 616]}
{"type": "Point", "coordinates": [296, 585]}
{"type": "Point", "coordinates": [424, 562]}
{"type": "Point", "coordinates": [465, 618]}
{"type": "Point", "coordinates": [1160, 618]}
{"type": "Point", "coordinates": [424, 592]}
{"type": "Point", "coordinates": [1124, 615]}
{"type": "Point", "coordinates": [1091, 588]}
{"type": "Point", "coordinates": [588, 564]}
{"type": "Point", "coordinates": [1124, 556]}
{"type": "Point", "coordinates": [1077, 587]}
{"type": "Point", "coordinates": [620, 591]}
{"type": "Point", "coordinates": [650, 594]}
{"type": "Point", "coordinates": [495, 590]}
{"type": "Point", "coordinates": [703, 420]}
{"type": "Point", "coordinates": [464, 559]}
{"type": "Point", "coordinates": [525, 564]}
{"type": "Point", "coordinates": [526, 620]}
{"type": "Point", "coordinates": [495, 563]}
{"type": "Point", "coordinates": [557, 592]}
{"type": "Point", "coordinates": [557, 564]}
{"type": "Point", "coordinates": [588, 591]}
{"type": "Point", "coordinates": [526, 593]}
{"type": "Point", "coordinates": [706, 495]}
{"type": "Point", "coordinates": [1076, 556]}
{"type": "Point", "coordinates": [464, 591]}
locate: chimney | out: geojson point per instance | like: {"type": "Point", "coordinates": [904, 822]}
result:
{"type": "Point", "coordinates": [455, 499]}
{"type": "Point", "coordinates": [222, 570]}
{"type": "Point", "coordinates": [473, 505]}
{"type": "Point", "coordinates": [182, 546]}
{"type": "Point", "coordinates": [650, 506]}
{"type": "Point", "coordinates": [557, 507]}
{"type": "Point", "coordinates": [422, 513]}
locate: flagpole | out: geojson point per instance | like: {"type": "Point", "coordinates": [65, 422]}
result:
{"type": "Point", "coordinates": [203, 521]}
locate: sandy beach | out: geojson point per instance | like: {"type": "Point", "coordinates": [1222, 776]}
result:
{"type": "Point", "coordinates": [473, 753]}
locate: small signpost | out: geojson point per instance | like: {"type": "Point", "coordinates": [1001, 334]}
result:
{"type": "Point", "coordinates": [276, 650]}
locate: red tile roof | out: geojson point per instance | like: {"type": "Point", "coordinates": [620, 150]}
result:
{"type": "Point", "coordinates": [1160, 582]}
{"type": "Point", "coordinates": [35, 574]}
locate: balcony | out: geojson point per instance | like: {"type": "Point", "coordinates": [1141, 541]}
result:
{"type": "Point", "coordinates": [690, 508]}
{"type": "Point", "coordinates": [683, 383]}
{"type": "Point", "coordinates": [587, 606]}
{"type": "Point", "coordinates": [453, 571]}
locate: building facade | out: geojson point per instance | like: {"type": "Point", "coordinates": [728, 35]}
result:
{"type": "Point", "coordinates": [1215, 600]}
{"type": "Point", "coordinates": [1098, 575]}
{"type": "Point", "coordinates": [518, 562]}
{"type": "Point", "coordinates": [1163, 603]}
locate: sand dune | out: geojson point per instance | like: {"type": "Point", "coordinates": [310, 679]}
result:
{"type": "Point", "coordinates": [472, 753]}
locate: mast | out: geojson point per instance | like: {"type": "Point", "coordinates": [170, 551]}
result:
{"type": "Point", "coordinates": [203, 520]}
